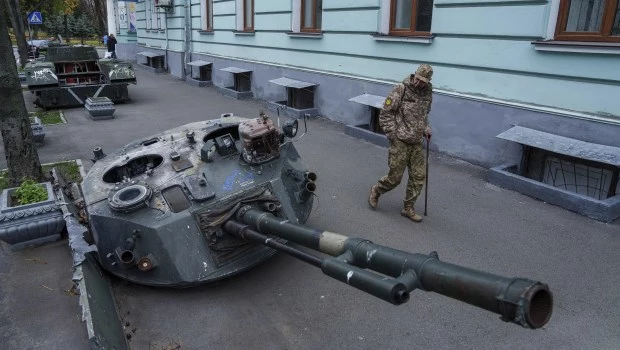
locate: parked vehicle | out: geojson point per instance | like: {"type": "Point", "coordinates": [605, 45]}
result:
{"type": "Point", "coordinates": [70, 74]}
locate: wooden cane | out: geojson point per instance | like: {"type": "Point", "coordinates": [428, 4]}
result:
{"type": "Point", "coordinates": [428, 141]}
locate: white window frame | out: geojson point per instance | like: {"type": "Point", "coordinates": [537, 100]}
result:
{"type": "Point", "coordinates": [384, 22]}
{"type": "Point", "coordinates": [155, 17]}
{"type": "Point", "coordinates": [296, 18]}
{"type": "Point", "coordinates": [385, 17]}
{"type": "Point", "coordinates": [204, 24]}
{"type": "Point", "coordinates": [240, 14]}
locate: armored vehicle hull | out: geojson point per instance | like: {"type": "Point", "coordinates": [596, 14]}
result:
{"type": "Point", "coordinates": [156, 206]}
{"type": "Point", "coordinates": [71, 74]}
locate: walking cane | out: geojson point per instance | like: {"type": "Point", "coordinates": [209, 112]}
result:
{"type": "Point", "coordinates": [428, 146]}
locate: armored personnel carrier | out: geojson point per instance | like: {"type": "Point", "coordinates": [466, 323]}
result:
{"type": "Point", "coordinates": [208, 200]}
{"type": "Point", "coordinates": [70, 74]}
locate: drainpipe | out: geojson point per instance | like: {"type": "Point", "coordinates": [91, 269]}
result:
{"type": "Point", "coordinates": [188, 38]}
{"type": "Point", "coordinates": [166, 51]}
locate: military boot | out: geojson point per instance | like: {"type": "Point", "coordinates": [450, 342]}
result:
{"type": "Point", "coordinates": [409, 213]}
{"type": "Point", "coordinates": [373, 197]}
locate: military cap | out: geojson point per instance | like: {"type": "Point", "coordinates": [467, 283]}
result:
{"type": "Point", "coordinates": [424, 73]}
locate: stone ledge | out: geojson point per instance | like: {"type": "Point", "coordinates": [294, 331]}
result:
{"type": "Point", "coordinates": [239, 95]}
{"type": "Point", "coordinates": [150, 69]}
{"type": "Point", "coordinates": [198, 83]}
{"type": "Point", "coordinates": [366, 135]}
{"type": "Point", "coordinates": [291, 112]}
{"type": "Point", "coordinates": [605, 210]}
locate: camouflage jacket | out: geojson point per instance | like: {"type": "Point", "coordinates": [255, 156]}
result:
{"type": "Point", "coordinates": [405, 112]}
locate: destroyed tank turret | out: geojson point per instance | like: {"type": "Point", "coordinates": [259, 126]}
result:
{"type": "Point", "coordinates": [208, 200]}
{"type": "Point", "coordinates": [70, 74]}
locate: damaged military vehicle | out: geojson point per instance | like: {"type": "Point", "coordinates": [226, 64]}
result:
{"type": "Point", "coordinates": [211, 199]}
{"type": "Point", "coordinates": [70, 74]}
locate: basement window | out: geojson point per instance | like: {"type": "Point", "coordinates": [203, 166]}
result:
{"type": "Point", "coordinates": [374, 103]}
{"type": "Point", "coordinates": [242, 79]}
{"type": "Point", "coordinates": [588, 178]}
{"type": "Point", "coordinates": [299, 94]}
{"type": "Point", "coordinates": [203, 71]}
{"type": "Point", "coordinates": [575, 166]}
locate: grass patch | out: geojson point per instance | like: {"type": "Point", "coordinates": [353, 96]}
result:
{"type": "Point", "coordinates": [4, 180]}
{"type": "Point", "coordinates": [48, 117]}
{"type": "Point", "coordinates": [69, 171]}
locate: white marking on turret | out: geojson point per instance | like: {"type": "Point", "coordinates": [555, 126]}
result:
{"type": "Point", "coordinates": [40, 74]}
{"type": "Point", "coordinates": [121, 72]}
{"type": "Point", "coordinates": [267, 240]}
{"type": "Point", "coordinates": [370, 254]}
{"type": "Point", "coordinates": [349, 275]}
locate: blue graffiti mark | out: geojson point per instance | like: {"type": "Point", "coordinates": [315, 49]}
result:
{"type": "Point", "coordinates": [236, 177]}
{"type": "Point", "coordinates": [230, 180]}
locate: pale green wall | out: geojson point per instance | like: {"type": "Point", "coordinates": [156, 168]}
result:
{"type": "Point", "coordinates": [481, 48]}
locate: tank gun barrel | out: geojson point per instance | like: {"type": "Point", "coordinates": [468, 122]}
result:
{"type": "Point", "coordinates": [366, 266]}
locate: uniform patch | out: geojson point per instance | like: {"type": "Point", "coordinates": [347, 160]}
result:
{"type": "Point", "coordinates": [388, 101]}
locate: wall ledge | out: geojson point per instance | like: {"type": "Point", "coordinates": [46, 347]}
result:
{"type": "Point", "coordinates": [404, 39]}
{"type": "Point", "coordinates": [305, 35]}
{"type": "Point", "coordinates": [577, 47]}
{"type": "Point", "coordinates": [240, 32]}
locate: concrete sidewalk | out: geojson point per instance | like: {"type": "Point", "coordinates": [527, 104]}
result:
{"type": "Point", "coordinates": [287, 304]}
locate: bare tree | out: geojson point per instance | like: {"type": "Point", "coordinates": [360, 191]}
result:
{"type": "Point", "coordinates": [17, 22]}
{"type": "Point", "coordinates": [21, 154]}
{"type": "Point", "coordinates": [97, 10]}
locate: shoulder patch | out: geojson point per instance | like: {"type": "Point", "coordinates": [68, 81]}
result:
{"type": "Point", "coordinates": [388, 101]}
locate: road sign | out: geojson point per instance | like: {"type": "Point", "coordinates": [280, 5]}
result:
{"type": "Point", "coordinates": [35, 18]}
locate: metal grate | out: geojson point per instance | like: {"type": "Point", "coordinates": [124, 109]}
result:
{"type": "Point", "coordinates": [578, 178]}
{"type": "Point", "coordinates": [592, 179]}
{"type": "Point", "coordinates": [300, 98]}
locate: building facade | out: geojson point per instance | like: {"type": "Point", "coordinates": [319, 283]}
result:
{"type": "Point", "coordinates": [548, 65]}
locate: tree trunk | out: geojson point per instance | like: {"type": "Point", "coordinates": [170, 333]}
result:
{"type": "Point", "coordinates": [17, 23]}
{"type": "Point", "coordinates": [100, 15]}
{"type": "Point", "coordinates": [21, 155]}
{"type": "Point", "coordinates": [66, 28]}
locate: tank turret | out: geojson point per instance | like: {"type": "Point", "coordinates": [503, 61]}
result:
{"type": "Point", "coordinates": [211, 199]}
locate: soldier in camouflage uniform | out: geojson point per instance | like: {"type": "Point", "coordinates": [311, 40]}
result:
{"type": "Point", "coordinates": [404, 120]}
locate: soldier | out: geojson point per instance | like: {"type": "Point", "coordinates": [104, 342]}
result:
{"type": "Point", "coordinates": [404, 120]}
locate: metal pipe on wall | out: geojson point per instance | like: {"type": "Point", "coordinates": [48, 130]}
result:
{"type": "Point", "coordinates": [188, 37]}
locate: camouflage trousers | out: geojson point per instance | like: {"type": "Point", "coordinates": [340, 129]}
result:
{"type": "Point", "coordinates": [401, 156]}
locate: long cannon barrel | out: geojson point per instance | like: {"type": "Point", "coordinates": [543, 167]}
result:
{"type": "Point", "coordinates": [365, 265]}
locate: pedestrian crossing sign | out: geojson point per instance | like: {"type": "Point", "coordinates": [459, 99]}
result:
{"type": "Point", "coordinates": [35, 18]}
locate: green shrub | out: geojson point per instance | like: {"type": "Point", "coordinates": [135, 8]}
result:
{"type": "Point", "coordinates": [30, 192]}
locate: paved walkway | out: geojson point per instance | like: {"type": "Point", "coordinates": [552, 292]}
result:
{"type": "Point", "coordinates": [287, 304]}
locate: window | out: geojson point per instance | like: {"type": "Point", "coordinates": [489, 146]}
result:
{"type": "Point", "coordinates": [207, 15]}
{"type": "Point", "coordinates": [311, 13]}
{"type": "Point", "coordinates": [589, 20]}
{"type": "Point", "coordinates": [248, 15]}
{"type": "Point", "coordinates": [410, 17]}
{"type": "Point", "coordinates": [155, 16]}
